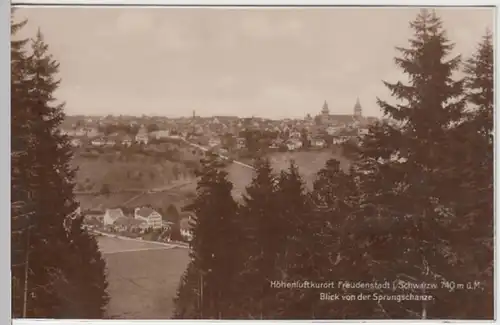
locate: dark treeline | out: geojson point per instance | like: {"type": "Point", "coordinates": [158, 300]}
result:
{"type": "Point", "coordinates": [416, 205]}
{"type": "Point", "coordinates": [57, 269]}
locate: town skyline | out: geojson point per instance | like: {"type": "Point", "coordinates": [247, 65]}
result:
{"type": "Point", "coordinates": [194, 114]}
{"type": "Point", "coordinates": [279, 63]}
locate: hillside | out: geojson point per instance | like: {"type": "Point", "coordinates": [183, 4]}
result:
{"type": "Point", "coordinates": [132, 168]}
{"type": "Point", "coordinates": [144, 172]}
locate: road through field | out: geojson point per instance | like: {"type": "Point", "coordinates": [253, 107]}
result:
{"type": "Point", "coordinates": [143, 277]}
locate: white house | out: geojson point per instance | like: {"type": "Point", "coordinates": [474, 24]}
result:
{"type": "Point", "coordinates": [110, 142]}
{"type": "Point", "coordinates": [186, 228]}
{"type": "Point", "coordinates": [319, 143]}
{"type": "Point", "coordinates": [112, 215]}
{"type": "Point", "coordinates": [153, 218]}
{"type": "Point", "coordinates": [98, 142]}
{"type": "Point", "coordinates": [160, 134]}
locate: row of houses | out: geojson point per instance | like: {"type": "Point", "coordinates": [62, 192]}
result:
{"type": "Point", "coordinates": [142, 219]}
{"type": "Point", "coordinates": [294, 141]}
{"type": "Point", "coordinates": [95, 138]}
{"type": "Point", "coordinates": [198, 131]}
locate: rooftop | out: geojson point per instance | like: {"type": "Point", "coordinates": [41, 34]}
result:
{"type": "Point", "coordinates": [144, 212]}
{"type": "Point", "coordinates": [115, 213]}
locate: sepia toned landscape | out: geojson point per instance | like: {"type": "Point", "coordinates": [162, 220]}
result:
{"type": "Point", "coordinates": [249, 163]}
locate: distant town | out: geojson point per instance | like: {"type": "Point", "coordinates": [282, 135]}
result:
{"type": "Point", "coordinates": [227, 138]}
{"type": "Point", "coordinates": [224, 134]}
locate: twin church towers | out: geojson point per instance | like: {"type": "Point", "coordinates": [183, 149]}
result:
{"type": "Point", "coordinates": [326, 117]}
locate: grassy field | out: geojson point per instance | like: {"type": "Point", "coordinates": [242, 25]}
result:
{"type": "Point", "coordinates": [125, 170]}
{"type": "Point", "coordinates": [142, 283]}
{"type": "Point", "coordinates": [309, 164]}
{"type": "Point", "coordinates": [157, 200]}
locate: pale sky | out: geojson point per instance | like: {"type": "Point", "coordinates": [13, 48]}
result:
{"type": "Point", "coordinates": [276, 62]}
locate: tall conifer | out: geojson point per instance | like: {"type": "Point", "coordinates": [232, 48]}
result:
{"type": "Point", "coordinates": [54, 285]}
{"type": "Point", "coordinates": [262, 226]}
{"type": "Point", "coordinates": [215, 245]}
{"type": "Point", "coordinates": [469, 171]}
{"type": "Point", "coordinates": [406, 226]}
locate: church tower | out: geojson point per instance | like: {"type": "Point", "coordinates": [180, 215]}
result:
{"type": "Point", "coordinates": [358, 111]}
{"type": "Point", "coordinates": [325, 113]}
{"type": "Point", "coordinates": [325, 110]}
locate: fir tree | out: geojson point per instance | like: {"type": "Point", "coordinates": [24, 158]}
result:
{"type": "Point", "coordinates": [171, 213]}
{"type": "Point", "coordinates": [405, 226]}
{"type": "Point", "coordinates": [215, 244]}
{"type": "Point", "coordinates": [175, 231]}
{"type": "Point", "coordinates": [48, 180]}
{"type": "Point", "coordinates": [21, 160]}
{"type": "Point", "coordinates": [83, 290]}
{"type": "Point", "coordinates": [263, 227]}
{"type": "Point", "coordinates": [479, 69]}
{"type": "Point", "coordinates": [469, 171]}
{"type": "Point", "coordinates": [295, 261]}
{"type": "Point", "coordinates": [339, 254]}
{"type": "Point", "coordinates": [188, 300]}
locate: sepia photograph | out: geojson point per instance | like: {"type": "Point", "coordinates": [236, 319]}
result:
{"type": "Point", "coordinates": [252, 163]}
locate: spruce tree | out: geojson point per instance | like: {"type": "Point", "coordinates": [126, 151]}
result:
{"type": "Point", "coordinates": [215, 245]}
{"type": "Point", "coordinates": [21, 160]}
{"type": "Point", "coordinates": [479, 82]}
{"type": "Point", "coordinates": [52, 283]}
{"type": "Point", "coordinates": [469, 171]}
{"type": "Point", "coordinates": [295, 261]}
{"type": "Point", "coordinates": [171, 213]}
{"type": "Point", "coordinates": [84, 290]}
{"type": "Point", "coordinates": [338, 254]}
{"type": "Point", "coordinates": [262, 228]}
{"type": "Point", "coordinates": [175, 231]}
{"type": "Point", "coordinates": [188, 300]}
{"type": "Point", "coordinates": [406, 227]}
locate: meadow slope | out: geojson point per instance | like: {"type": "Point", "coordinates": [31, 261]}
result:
{"type": "Point", "coordinates": [143, 283]}
{"type": "Point", "coordinates": [309, 164]}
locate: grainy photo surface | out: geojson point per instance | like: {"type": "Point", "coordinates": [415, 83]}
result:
{"type": "Point", "coordinates": [252, 163]}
